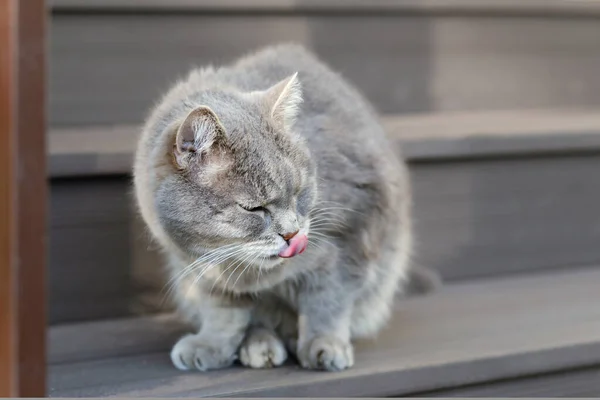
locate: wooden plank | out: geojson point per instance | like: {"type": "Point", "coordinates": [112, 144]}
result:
{"type": "Point", "coordinates": [579, 383]}
{"type": "Point", "coordinates": [88, 203]}
{"type": "Point", "coordinates": [84, 151]}
{"type": "Point", "coordinates": [89, 275]}
{"type": "Point", "coordinates": [98, 242]}
{"type": "Point", "coordinates": [472, 219]}
{"type": "Point", "coordinates": [466, 334]}
{"type": "Point", "coordinates": [112, 338]}
{"type": "Point", "coordinates": [494, 217]}
{"type": "Point", "coordinates": [494, 7]}
{"type": "Point", "coordinates": [402, 64]}
{"type": "Point", "coordinates": [22, 198]}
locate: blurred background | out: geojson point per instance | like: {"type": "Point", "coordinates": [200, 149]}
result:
{"type": "Point", "coordinates": [494, 103]}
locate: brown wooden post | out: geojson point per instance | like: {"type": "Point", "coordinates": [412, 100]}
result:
{"type": "Point", "coordinates": [22, 198]}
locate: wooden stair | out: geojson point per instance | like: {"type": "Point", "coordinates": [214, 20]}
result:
{"type": "Point", "coordinates": [512, 308]}
{"type": "Point", "coordinates": [111, 59]}
{"type": "Point", "coordinates": [496, 106]}
{"type": "Point", "coordinates": [490, 191]}
{"type": "Point", "coordinates": [469, 333]}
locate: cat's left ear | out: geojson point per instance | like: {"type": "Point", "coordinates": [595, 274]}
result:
{"type": "Point", "coordinates": [284, 99]}
{"type": "Point", "coordinates": [200, 136]}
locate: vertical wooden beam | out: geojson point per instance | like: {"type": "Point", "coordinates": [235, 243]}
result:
{"type": "Point", "coordinates": [22, 198]}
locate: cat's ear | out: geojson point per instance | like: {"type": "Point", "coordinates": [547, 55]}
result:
{"type": "Point", "coordinates": [200, 135]}
{"type": "Point", "coordinates": [284, 99]}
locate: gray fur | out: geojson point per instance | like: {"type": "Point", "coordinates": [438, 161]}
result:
{"type": "Point", "coordinates": [301, 151]}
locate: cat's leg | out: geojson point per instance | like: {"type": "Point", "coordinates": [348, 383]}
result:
{"type": "Point", "coordinates": [373, 308]}
{"type": "Point", "coordinates": [262, 348]}
{"type": "Point", "coordinates": [273, 326]}
{"type": "Point", "coordinates": [371, 312]}
{"type": "Point", "coordinates": [324, 327]}
{"type": "Point", "coordinates": [223, 327]}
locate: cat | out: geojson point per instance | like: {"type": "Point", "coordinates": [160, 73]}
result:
{"type": "Point", "coordinates": [282, 209]}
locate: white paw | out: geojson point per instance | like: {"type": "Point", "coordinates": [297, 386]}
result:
{"type": "Point", "coordinates": [327, 353]}
{"type": "Point", "coordinates": [190, 352]}
{"type": "Point", "coordinates": [262, 349]}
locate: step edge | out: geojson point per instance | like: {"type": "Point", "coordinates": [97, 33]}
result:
{"type": "Point", "coordinates": [417, 138]}
{"type": "Point", "coordinates": [428, 7]}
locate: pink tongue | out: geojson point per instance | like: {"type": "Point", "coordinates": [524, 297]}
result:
{"type": "Point", "coordinates": [297, 245]}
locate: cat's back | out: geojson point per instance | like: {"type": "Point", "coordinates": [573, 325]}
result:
{"type": "Point", "coordinates": [324, 92]}
{"type": "Point", "coordinates": [270, 65]}
{"type": "Point", "coordinates": [333, 112]}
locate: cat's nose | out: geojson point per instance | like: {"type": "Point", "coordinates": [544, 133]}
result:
{"type": "Point", "coordinates": [288, 236]}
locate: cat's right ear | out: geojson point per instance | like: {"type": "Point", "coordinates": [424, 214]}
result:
{"type": "Point", "coordinates": [284, 98]}
{"type": "Point", "coordinates": [201, 136]}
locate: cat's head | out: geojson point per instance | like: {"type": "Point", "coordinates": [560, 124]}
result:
{"type": "Point", "coordinates": [241, 182]}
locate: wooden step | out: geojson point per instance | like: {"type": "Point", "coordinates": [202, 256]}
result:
{"type": "Point", "coordinates": [108, 150]}
{"type": "Point", "coordinates": [488, 7]}
{"type": "Point", "coordinates": [580, 383]}
{"type": "Point", "coordinates": [495, 194]}
{"type": "Point", "coordinates": [110, 60]}
{"type": "Point", "coordinates": [468, 333]}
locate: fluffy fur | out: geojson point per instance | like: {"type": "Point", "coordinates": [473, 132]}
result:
{"type": "Point", "coordinates": [233, 159]}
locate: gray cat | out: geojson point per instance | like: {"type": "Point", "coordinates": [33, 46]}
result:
{"type": "Point", "coordinates": [282, 208]}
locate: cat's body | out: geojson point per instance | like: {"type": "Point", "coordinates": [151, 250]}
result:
{"type": "Point", "coordinates": [230, 164]}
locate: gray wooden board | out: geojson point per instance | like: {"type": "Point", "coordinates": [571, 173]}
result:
{"type": "Point", "coordinates": [90, 249]}
{"type": "Point", "coordinates": [578, 383]}
{"type": "Point", "coordinates": [493, 217]}
{"type": "Point", "coordinates": [75, 203]}
{"type": "Point", "coordinates": [108, 150]}
{"type": "Point", "coordinates": [119, 337]}
{"type": "Point", "coordinates": [89, 273]}
{"type": "Point", "coordinates": [472, 219]}
{"type": "Point", "coordinates": [466, 334]}
{"type": "Point", "coordinates": [544, 7]}
{"type": "Point", "coordinates": [402, 63]}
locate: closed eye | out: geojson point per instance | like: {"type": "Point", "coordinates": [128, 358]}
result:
{"type": "Point", "coordinates": [253, 209]}
{"type": "Point", "coordinates": [260, 211]}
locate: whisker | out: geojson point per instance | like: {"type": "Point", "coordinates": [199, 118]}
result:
{"type": "Point", "coordinates": [245, 269]}
{"type": "Point", "coordinates": [235, 253]}
{"type": "Point", "coordinates": [221, 274]}
{"type": "Point", "coordinates": [206, 262]}
{"type": "Point", "coordinates": [199, 263]}
{"type": "Point", "coordinates": [315, 243]}
{"type": "Point", "coordinates": [240, 275]}
{"type": "Point", "coordinates": [238, 264]}
{"type": "Point", "coordinates": [259, 271]}
{"type": "Point", "coordinates": [338, 208]}
{"type": "Point", "coordinates": [317, 223]}
{"type": "Point", "coordinates": [327, 214]}
{"type": "Point", "coordinates": [317, 220]}
{"type": "Point", "coordinates": [328, 221]}
{"type": "Point", "coordinates": [321, 244]}
{"type": "Point", "coordinates": [328, 224]}
{"type": "Point", "coordinates": [206, 257]}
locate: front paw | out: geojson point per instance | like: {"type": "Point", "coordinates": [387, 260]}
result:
{"type": "Point", "coordinates": [326, 353]}
{"type": "Point", "coordinates": [191, 352]}
{"type": "Point", "coordinates": [262, 349]}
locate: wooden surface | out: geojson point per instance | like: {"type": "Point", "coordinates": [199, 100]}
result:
{"type": "Point", "coordinates": [490, 216]}
{"type": "Point", "coordinates": [466, 334]}
{"type": "Point", "coordinates": [95, 250]}
{"type": "Point", "coordinates": [538, 7]}
{"type": "Point", "coordinates": [22, 198]}
{"type": "Point", "coordinates": [108, 150]}
{"type": "Point", "coordinates": [120, 337]}
{"type": "Point", "coordinates": [581, 383]}
{"type": "Point", "coordinates": [402, 63]}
